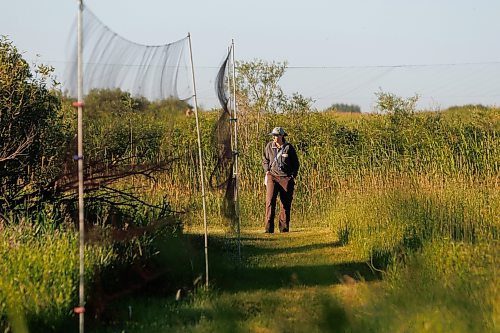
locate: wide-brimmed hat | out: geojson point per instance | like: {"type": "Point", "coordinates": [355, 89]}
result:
{"type": "Point", "coordinates": [278, 131]}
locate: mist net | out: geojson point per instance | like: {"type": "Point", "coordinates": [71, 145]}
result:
{"type": "Point", "coordinates": [111, 61]}
{"type": "Point", "coordinates": [222, 175]}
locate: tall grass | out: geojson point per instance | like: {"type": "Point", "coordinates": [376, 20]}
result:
{"type": "Point", "coordinates": [39, 276]}
{"type": "Point", "coordinates": [435, 240]}
{"type": "Point", "coordinates": [427, 209]}
{"type": "Point", "coordinates": [445, 287]}
{"type": "Point", "coordinates": [39, 270]}
{"type": "Point", "coordinates": [336, 151]}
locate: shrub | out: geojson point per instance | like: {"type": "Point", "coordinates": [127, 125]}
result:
{"type": "Point", "coordinates": [33, 135]}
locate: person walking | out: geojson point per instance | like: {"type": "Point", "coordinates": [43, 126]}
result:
{"type": "Point", "coordinates": [281, 165]}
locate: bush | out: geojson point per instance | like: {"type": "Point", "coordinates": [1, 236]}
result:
{"type": "Point", "coordinates": [33, 135]}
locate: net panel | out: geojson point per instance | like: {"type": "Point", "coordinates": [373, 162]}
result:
{"type": "Point", "coordinates": [110, 61]}
{"type": "Point", "coordinates": [222, 175]}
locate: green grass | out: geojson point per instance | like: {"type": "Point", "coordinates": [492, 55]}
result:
{"type": "Point", "coordinates": [309, 281]}
{"type": "Point", "coordinates": [294, 282]}
{"type": "Point", "coordinates": [39, 276]}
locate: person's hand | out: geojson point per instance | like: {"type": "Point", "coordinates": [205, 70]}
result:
{"type": "Point", "coordinates": [268, 172]}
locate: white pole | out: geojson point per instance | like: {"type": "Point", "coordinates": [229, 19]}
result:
{"type": "Point", "coordinates": [235, 168]}
{"type": "Point", "coordinates": [81, 308]}
{"type": "Point", "coordinates": [200, 156]}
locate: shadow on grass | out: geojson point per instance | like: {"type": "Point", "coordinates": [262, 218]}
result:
{"type": "Point", "coordinates": [270, 278]}
{"type": "Point", "coordinates": [228, 274]}
{"type": "Point", "coordinates": [253, 250]}
{"type": "Point", "coordinates": [184, 260]}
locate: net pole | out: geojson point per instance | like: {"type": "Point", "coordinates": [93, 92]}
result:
{"type": "Point", "coordinates": [81, 223]}
{"type": "Point", "coordinates": [230, 101]}
{"type": "Point", "coordinates": [200, 156]}
{"type": "Point", "coordinates": [235, 167]}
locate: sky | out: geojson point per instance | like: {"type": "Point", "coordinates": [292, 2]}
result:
{"type": "Point", "coordinates": [446, 51]}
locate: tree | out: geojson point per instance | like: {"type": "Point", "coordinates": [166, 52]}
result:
{"type": "Point", "coordinates": [257, 84]}
{"type": "Point", "coordinates": [32, 133]}
{"type": "Point", "coordinates": [392, 104]}
{"type": "Point", "coordinates": [37, 142]}
{"type": "Point", "coordinates": [297, 103]}
{"type": "Point", "coordinates": [341, 107]}
{"type": "Point", "coordinates": [105, 103]}
{"type": "Point", "coordinates": [399, 109]}
{"type": "Point", "coordinates": [257, 88]}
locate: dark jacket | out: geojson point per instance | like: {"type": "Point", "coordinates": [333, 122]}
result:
{"type": "Point", "coordinates": [287, 163]}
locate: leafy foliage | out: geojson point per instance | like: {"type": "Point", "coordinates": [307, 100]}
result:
{"type": "Point", "coordinates": [114, 103]}
{"type": "Point", "coordinates": [33, 136]}
{"type": "Point", "coordinates": [341, 107]}
{"type": "Point", "coordinates": [257, 88]}
{"type": "Point", "coordinates": [120, 126]}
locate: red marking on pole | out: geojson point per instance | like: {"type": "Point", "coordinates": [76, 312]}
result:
{"type": "Point", "coordinates": [77, 104]}
{"type": "Point", "coordinates": [79, 309]}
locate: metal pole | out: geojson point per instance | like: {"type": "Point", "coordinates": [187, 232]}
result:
{"type": "Point", "coordinates": [200, 156]}
{"type": "Point", "coordinates": [235, 168]}
{"type": "Point", "coordinates": [81, 309]}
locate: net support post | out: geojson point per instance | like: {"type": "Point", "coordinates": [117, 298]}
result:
{"type": "Point", "coordinates": [200, 156]}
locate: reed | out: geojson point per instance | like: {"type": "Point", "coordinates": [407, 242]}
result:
{"type": "Point", "coordinates": [336, 151]}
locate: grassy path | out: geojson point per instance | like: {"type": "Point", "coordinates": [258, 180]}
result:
{"type": "Point", "coordinates": [302, 281]}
